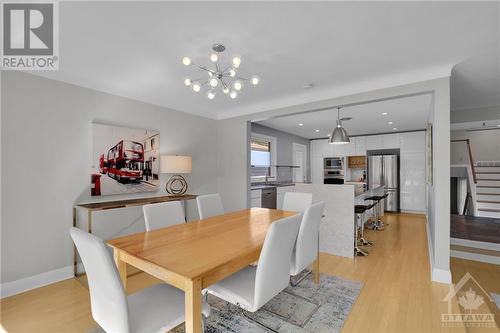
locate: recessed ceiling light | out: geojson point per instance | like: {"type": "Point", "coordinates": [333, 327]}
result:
{"type": "Point", "coordinates": [390, 123]}
{"type": "Point", "coordinates": [329, 135]}
{"type": "Point", "coordinates": [498, 125]}
{"type": "Point", "coordinates": [316, 130]}
{"type": "Point", "coordinates": [307, 85]}
{"type": "Point", "coordinates": [384, 113]}
{"type": "Point", "coordinates": [301, 124]}
{"type": "Point", "coordinates": [394, 128]}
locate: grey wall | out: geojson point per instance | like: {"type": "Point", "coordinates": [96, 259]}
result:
{"type": "Point", "coordinates": [46, 159]}
{"type": "Point", "coordinates": [285, 148]}
{"type": "Point", "coordinates": [484, 146]}
{"type": "Point", "coordinates": [233, 141]}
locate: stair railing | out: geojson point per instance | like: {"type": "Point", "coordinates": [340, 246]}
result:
{"type": "Point", "coordinates": [471, 161]}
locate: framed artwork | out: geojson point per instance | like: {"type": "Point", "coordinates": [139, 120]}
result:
{"type": "Point", "coordinates": [429, 154]}
{"type": "Point", "coordinates": [124, 160]}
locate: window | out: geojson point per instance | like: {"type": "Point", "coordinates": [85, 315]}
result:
{"type": "Point", "coordinates": [260, 152]}
{"type": "Point", "coordinates": [260, 157]}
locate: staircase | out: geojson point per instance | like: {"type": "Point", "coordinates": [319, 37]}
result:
{"type": "Point", "coordinates": [488, 189]}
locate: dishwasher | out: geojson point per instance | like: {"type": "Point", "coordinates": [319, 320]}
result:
{"type": "Point", "coordinates": [269, 198]}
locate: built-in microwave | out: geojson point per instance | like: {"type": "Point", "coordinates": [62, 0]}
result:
{"type": "Point", "coordinates": [335, 163]}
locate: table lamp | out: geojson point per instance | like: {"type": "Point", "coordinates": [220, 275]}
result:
{"type": "Point", "coordinates": [176, 164]}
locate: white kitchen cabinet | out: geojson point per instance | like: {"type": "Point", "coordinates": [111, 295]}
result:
{"type": "Point", "coordinates": [316, 149]}
{"type": "Point", "coordinates": [360, 145]}
{"type": "Point", "coordinates": [374, 142]}
{"type": "Point", "coordinates": [350, 148]}
{"type": "Point", "coordinates": [412, 174]}
{"type": "Point", "coordinates": [391, 141]}
{"type": "Point", "coordinates": [337, 150]}
{"type": "Point", "coordinates": [317, 169]}
{"type": "Point", "coordinates": [321, 148]}
{"type": "Point", "coordinates": [280, 192]}
{"type": "Point", "coordinates": [326, 148]}
{"type": "Point", "coordinates": [412, 142]}
{"type": "Point", "coordinates": [255, 198]}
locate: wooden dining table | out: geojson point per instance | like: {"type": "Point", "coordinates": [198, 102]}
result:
{"type": "Point", "coordinates": [195, 255]}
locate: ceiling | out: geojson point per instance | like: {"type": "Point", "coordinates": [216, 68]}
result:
{"type": "Point", "coordinates": [134, 49]}
{"type": "Point", "coordinates": [406, 114]}
{"type": "Point", "coordinates": [475, 82]}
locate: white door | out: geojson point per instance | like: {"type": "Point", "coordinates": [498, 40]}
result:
{"type": "Point", "coordinates": [299, 159]}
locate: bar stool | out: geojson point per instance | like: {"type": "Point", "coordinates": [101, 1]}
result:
{"type": "Point", "coordinates": [359, 210]}
{"type": "Point", "coordinates": [386, 194]}
{"type": "Point", "coordinates": [377, 224]}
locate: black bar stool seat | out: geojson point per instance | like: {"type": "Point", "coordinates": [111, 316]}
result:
{"type": "Point", "coordinates": [359, 209]}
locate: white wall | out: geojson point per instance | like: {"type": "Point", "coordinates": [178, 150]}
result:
{"type": "Point", "coordinates": [233, 141]}
{"type": "Point", "coordinates": [438, 193]}
{"type": "Point", "coordinates": [46, 153]}
{"type": "Point", "coordinates": [46, 159]}
{"type": "Point", "coordinates": [484, 146]}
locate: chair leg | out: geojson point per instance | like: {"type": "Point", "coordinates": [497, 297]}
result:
{"type": "Point", "coordinates": [362, 241]}
{"type": "Point", "coordinates": [302, 277]}
{"type": "Point", "coordinates": [378, 225]}
{"type": "Point", "coordinates": [357, 250]}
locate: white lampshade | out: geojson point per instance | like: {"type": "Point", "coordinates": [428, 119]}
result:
{"type": "Point", "coordinates": [176, 164]}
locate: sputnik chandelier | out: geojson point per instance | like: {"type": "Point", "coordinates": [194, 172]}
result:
{"type": "Point", "coordinates": [220, 77]}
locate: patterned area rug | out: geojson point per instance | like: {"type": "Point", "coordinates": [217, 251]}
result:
{"type": "Point", "coordinates": [307, 307]}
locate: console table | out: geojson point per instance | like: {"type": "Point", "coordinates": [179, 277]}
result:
{"type": "Point", "coordinates": [106, 205]}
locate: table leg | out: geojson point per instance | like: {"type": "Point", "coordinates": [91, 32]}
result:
{"type": "Point", "coordinates": [193, 306]}
{"type": "Point", "coordinates": [316, 270]}
{"type": "Point", "coordinates": [75, 262]}
{"type": "Point", "coordinates": [122, 267]}
{"type": "Point", "coordinates": [89, 221]}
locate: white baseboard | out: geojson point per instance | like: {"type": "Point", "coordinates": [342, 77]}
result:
{"type": "Point", "coordinates": [437, 275]}
{"type": "Point", "coordinates": [36, 281]}
{"type": "Point", "coordinates": [441, 275]}
{"type": "Point", "coordinates": [475, 244]}
{"type": "Point", "coordinates": [476, 257]}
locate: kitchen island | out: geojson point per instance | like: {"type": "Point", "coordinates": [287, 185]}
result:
{"type": "Point", "coordinates": [337, 228]}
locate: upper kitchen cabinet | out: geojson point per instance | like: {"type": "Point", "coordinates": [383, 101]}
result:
{"type": "Point", "coordinates": [390, 141]}
{"type": "Point", "coordinates": [413, 142]}
{"type": "Point", "coordinates": [336, 150]}
{"type": "Point", "coordinates": [321, 148]}
{"type": "Point", "coordinates": [374, 142]}
{"type": "Point", "coordinates": [360, 142]}
{"type": "Point", "coordinates": [316, 148]}
{"type": "Point", "coordinates": [350, 148]}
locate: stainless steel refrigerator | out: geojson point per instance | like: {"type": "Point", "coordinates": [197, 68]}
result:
{"type": "Point", "coordinates": [383, 170]}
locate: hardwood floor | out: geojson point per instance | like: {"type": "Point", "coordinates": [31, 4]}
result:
{"type": "Point", "coordinates": [397, 295]}
{"type": "Point", "coordinates": [483, 229]}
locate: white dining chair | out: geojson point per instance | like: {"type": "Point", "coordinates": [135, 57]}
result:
{"type": "Point", "coordinates": [297, 201]}
{"type": "Point", "coordinates": [306, 246]}
{"type": "Point", "coordinates": [162, 215]}
{"type": "Point", "coordinates": [156, 309]}
{"type": "Point", "coordinates": [209, 205]}
{"type": "Point", "coordinates": [254, 286]}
